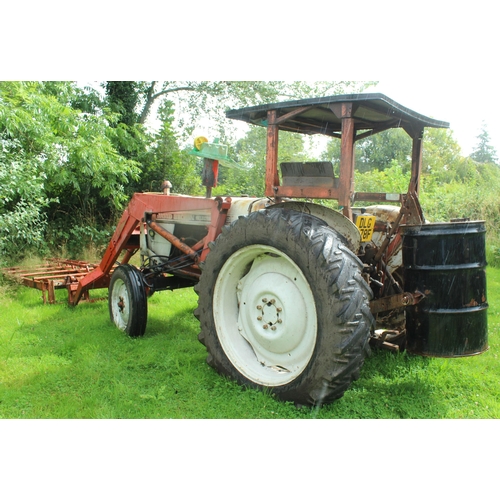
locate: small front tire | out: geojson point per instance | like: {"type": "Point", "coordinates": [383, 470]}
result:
{"type": "Point", "coordinates": [127, 300]}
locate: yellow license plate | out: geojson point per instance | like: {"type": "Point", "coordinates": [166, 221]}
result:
{"type": "Point", "coordinates": [366, 224]}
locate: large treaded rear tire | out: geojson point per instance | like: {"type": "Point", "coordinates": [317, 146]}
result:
{"type": "Point", "coordinates": [282, 305]}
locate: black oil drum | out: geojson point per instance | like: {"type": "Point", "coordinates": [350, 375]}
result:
{"type": "Point", "coordinates": [446, 262]}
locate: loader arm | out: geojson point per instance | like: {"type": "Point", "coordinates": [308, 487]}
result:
{"type": "Point", "coordinates": [135, 214]}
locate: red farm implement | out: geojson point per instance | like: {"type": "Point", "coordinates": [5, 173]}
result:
{"type": "Point", "coordinates": [55, 274]}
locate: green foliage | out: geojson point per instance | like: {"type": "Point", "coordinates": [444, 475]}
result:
{"type": "Point", "coordinates": [441, 153]}
{"type": "Point", "coordinates": [442, 160]}
{"type": "Point", "coordinates": [457, 187]}
{"type": "Point", "coordinates": [163, 160]}
{"type": "Point", "coordinates": [70, 158]}
{"type": "Point", "coordinates": [475, 198]}
{"type": "Point", "coordinates": [452, 186]}
{"type": "Point", "coordinates": [22, 198]}
{"type": "Point", "coordinates": [56, 162]}
{"type": "Point", "coordinates": [381, 151]}
{"type": "Point", "coordinates": [484, 152]}
{"type": "Point", "coordinates": [21, 229]}
{"type": "Point", "coordinates": [250, 153]}
{"type": "Point", "coordinates": [72, 240]}
{"type": "Point", "coordinates": [376, 152]}
{"type": "Point", "coordinates": [123, 98]}
{"type": "Point", "coordinates": [392, 179]}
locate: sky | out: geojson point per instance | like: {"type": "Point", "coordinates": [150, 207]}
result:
{"type": "Point", "coordinates": [452, 102]}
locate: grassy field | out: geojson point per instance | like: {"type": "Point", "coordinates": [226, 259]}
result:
{"type": "Point", "coordinates": [58, 362]}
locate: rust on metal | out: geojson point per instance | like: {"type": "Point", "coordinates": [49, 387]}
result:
{"type": "Point", "coordinates": [217, 220]}
{"type": "Point", "coordinates": [172, 239]}
{"type": "Point", "coordinates": [54, 275]}
{"type": "Point", "coordinates": [166, 187]}
{"type": "Point", "coordinates": [350, 118]}
{"type": "Point", "coordinates": [395, 301]}
{"type": "Point", "coordinates": [272, 178]}
{"type": "Point", "coordinates": [133, 218]}
{"type": "Point", "coordinates": [390, 340]}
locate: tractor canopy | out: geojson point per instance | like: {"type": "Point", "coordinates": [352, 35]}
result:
{"type": "Point", "coordinates": [349, 118]}
{"type": "Point", "coordinates": [322, 115]}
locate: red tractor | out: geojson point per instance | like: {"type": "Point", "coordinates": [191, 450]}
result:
{"type": "Point", "coordinates": [292, 293]}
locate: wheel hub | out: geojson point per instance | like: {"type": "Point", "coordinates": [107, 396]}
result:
{"type": "Point", "coordinates": [121, 304]}
{"type": "Point", "coordinates": [119, 300]}
{"type": "Point", "coordinates": [266, 290]}
{"type": "Point", "coordinates": [269, 313]}
{"type": "Point", "coordinates": [274, 311]}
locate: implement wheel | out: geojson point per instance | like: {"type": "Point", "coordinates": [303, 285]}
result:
{"type": "Point", "coordinates": [127, 300]}
{"type": "Point", "coordinates": [282, 305]}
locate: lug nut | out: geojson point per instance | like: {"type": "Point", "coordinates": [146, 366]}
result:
{"type": "Point", "coordinates": [279, 309]}
{"type": "Point", "coordinates": [259, 318]}
{"type": "Point", "coordinates": [266, 326]}
{"type": "Point", "coordinates": [273, 328]}
{"type": "Point", "coordinates": [259, 307]}
{"type": "Point", "coordinates": [280, 320]}
{"type": "Point", "coordinates": [264, 300]}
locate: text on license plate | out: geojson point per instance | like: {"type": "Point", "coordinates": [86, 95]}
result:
{"type": "Point", "coordinates": [366, 224]}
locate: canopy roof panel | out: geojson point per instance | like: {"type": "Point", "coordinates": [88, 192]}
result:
{"type": "Point", "coordinates": [320, 115]}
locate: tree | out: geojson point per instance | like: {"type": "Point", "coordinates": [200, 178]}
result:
{"type": "Point", "coordinates": [484, 152]}
{"type": "Point", "coordinates": [57, 163]}
{"type": "Point", "coordinates": [250, 153]}
{"type": "Point", "coordinates": [381, 150]}
{"type": "Point", "coordinates": [197, 99]}
{"type": "Point", "coordinates": [192, 101]}
{"type": "Point", "coordinates": [376, 152]}
{"type": "Point", "coordinates": [167, 162]}
{"type": "Point", "coordinates": [442, 159]}
{"type": "Point", "coordinates": [122, 99]}
{"type": "Point", "coordinates": [70, 159]}
{"type": "Point", "coordinates": [383, 160]}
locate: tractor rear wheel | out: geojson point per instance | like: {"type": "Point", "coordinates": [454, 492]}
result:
{"type": "Point", "coordinates": [282, 305]}
{"type": "Point", "coordinates": [127, 300]}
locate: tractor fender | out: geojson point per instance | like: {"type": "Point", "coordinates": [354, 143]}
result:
{"type": "Point", "coordinates": [335, 220]}
{"type": "Point", "coordinates": [245, 205]}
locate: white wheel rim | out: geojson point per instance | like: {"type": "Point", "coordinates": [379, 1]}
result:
{"type": "Point", "coordinates": [120, 304]}
{"type": "Point", "coordinates": [265, 315]}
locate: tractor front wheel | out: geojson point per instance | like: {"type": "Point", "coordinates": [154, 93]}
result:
{"type": "Point", "coordinates": [127, 300]}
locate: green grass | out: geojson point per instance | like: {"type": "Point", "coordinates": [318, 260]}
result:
{"type": "Point", "coordinates": [58, 362]}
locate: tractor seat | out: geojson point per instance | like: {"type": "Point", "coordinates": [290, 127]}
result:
{"type": "Point", "coordinates": [304, 174]}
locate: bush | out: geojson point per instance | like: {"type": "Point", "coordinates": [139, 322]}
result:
{"type": "Point", "coordinates": [470, 193]}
